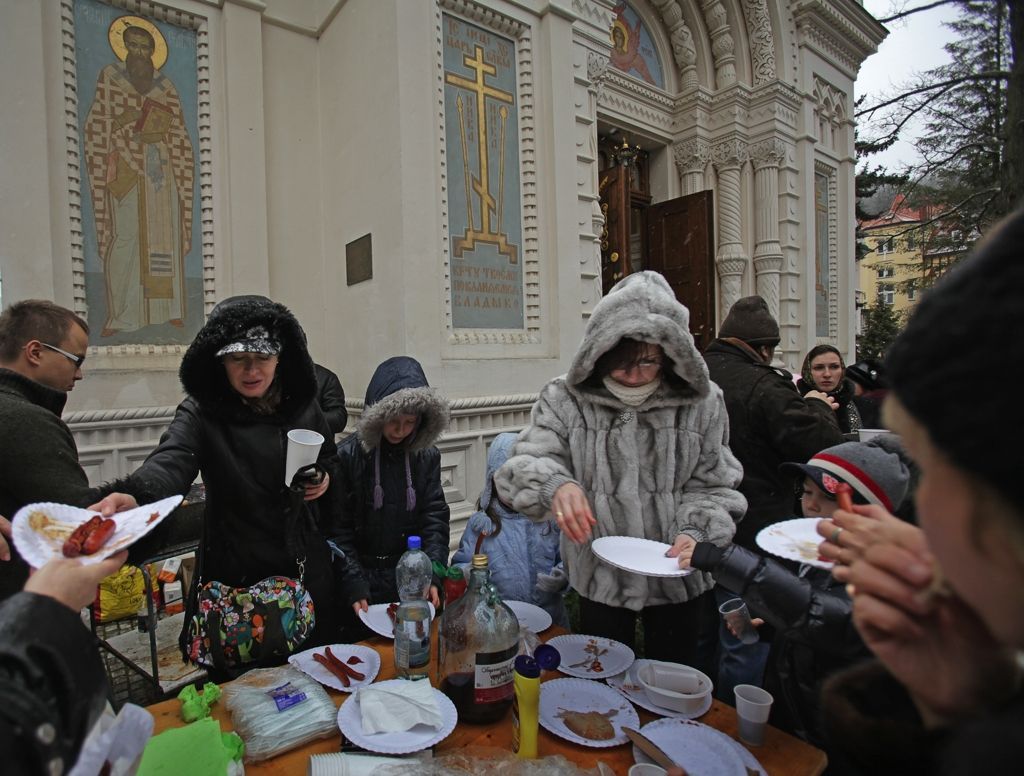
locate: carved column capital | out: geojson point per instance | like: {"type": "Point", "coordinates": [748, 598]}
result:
{"type": "Point", "coordinates": [691, 155]}
{"type": "Point", "coordinates": [597, 69]}
{"type": "Point", "coordinates": [730, 153]}
{"type": "Point", "coordinates": [768, 153]}
{"type": "Point", "coordinates": [722, 43]}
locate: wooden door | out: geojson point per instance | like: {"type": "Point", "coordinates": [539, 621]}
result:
{"type": "Point", "coordinates": [614, 193]}
{"type": "Point", "coordinates": [680, 246]}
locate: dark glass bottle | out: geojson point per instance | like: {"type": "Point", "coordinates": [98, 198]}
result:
{"type": "Point", "coordinates": [478, 643]}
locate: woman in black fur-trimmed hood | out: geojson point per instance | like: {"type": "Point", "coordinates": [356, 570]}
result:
{"type": "Point", "coordinates": [249, 380]}
{"type": "Point", "coordinates": [390, 478]}
{"type": "Point", "coordinates": [824, 370]}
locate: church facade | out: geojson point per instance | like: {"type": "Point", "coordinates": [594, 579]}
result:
{"type": "Point", "coordinates": [456, 180]}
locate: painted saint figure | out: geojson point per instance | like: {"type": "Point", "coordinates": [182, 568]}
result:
{"type": "Point", "coordinates": [141, 170]}
{"type": "Point", "coordinates": [626, 54]}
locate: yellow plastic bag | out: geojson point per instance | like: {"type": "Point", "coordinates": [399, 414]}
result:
{"type": "Point", "coordinates": [120, 595]}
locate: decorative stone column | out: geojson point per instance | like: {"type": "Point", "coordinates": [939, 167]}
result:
{"type": "Point", "coordinates": [767, 155]}
{"type": "Point", "coordinates": [722, 43]}
{"type": "Point", "coordinates": [691, 157]}
{"type": "Point", "coordinates": [731, 261]}
{"type": "Point", "coordinates": [682, 43]}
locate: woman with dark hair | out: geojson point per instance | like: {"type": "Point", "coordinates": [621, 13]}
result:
{"type": "Point", "coordinates": [823, 370]}
{"type": "Point", "coordinates": [633, 441]}
{"type": "Point", "coordinates": [249, 380]}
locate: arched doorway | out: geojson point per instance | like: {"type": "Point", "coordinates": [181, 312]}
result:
{"type": "Point", "coordinates": [674, 237]}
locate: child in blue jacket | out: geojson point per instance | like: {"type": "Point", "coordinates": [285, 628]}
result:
{"type": "Point", "coordinates": [522, 554]}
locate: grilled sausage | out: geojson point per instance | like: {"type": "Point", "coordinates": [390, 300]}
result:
{"type": "Point", "coordinates": [339, 673]}
{"type": "Point", "coordinates": [73, 545]}
{"type": "Point", "coordinates": [99, 536]}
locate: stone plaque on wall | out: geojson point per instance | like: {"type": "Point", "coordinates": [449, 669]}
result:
{"type": "Point", "coordinates": [484, 197]}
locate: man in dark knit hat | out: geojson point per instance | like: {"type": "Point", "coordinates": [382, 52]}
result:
{"type": "Point", "coordinates": [769, 423]}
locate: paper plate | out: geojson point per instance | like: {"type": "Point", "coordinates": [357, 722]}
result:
{"type": "Point", "coordinates": [561, 696]}
{"type": "Point", "coordinates": [530, 616]}
{"type": "Point", "coordinates": [370, 666]}
{"type": "Point", "coordinates": [699, 749]}
{"type": "Point", "coordinates": [40, 530]}
{"type": "Point", "coordinates": [794, 540]}
{"type": "Point", "coordinates": [627, 684]}
{"type": "Point", "coordinates": [640, 556]}
{"type": "Point", "coordinates": [350, 721]}
{"type": "Point", "coordinates": [580, 653]}
{"type": "Point", "coordinates": [376, 619]}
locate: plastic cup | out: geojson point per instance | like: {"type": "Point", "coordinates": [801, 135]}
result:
{"type": "Point", "coordinates": [753, 705]}
{"type": "Point", "coordinates": [646, 769]}
{"type": "Point", "coordinates": [737, 619]}
{"type": "Point", "coordinates": [303, 449]}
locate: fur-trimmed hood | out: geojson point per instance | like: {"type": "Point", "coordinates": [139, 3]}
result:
{"type": "Point", "coordinates": [641, 306]}
{"type": "Point", "coordinates": [203, 376]}
{"type": "Point", "coordinates": [399, 387]}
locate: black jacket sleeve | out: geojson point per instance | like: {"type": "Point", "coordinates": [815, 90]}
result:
{"type": "Point", "coordinates": [798, 427]}
{"type": "Point", "coordinates": [813, 612]}
{"type": "Point", "coordinates": [52, 684]}
{"type": "Point", "coordinates": [349, 573]}
{"type": "Point", "coordinates": [331, 398]}
{"type": "Point", "coordinates": [434, 514]}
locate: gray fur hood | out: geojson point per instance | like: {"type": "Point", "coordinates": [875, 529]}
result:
{"type": "Point", "coordinates": [641, 306]}
{"type": "Point", "coordinates": [398, 387]}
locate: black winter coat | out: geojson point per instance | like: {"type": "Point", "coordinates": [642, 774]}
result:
{"type": "Point", "coordinates": [814, 632]}
{"type": "Point", "coordinates": [374, 539]}
{"type": "Point", "coordinates": [848, 415]}
{"type": "Point", "coordinates": [52, 685]}
{"type": "Point", "coordinates": [255, 526]}
{"type": "Point", "coordinates": [331, 398]}
{"type": "Point", "coordinates": [769, 424]}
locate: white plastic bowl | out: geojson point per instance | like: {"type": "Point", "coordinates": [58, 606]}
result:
{"type": "Point", "coordinates": [675, 686]}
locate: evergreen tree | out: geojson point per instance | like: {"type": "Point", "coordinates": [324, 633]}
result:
{"type": "Point", "coordinates": [881, 325]}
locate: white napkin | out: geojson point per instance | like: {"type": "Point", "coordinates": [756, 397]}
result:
{"type": "Point", "coordinates": [394, 707]}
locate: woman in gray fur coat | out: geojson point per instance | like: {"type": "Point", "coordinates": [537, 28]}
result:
{"type": "Point", "coordinates": [633, 441]}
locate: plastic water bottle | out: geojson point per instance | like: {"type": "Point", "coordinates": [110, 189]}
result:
{"type": "Point", "coordinates": [412, 620]}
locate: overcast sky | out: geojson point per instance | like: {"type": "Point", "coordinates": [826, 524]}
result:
{"type": "Point", "coordinates": [914, 44]}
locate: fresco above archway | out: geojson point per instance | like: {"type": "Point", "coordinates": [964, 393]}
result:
{"type": "Point", "coordinates": [633, 50]}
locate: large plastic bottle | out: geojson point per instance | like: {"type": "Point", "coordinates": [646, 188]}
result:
{"type": "Point", "coordinates": [412, 620]}
{"type": "Point", "coordinates": [478, 643]}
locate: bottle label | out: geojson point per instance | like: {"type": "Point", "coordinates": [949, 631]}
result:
{"type": "Point", "coordinates": [412, 644]}
{"type": "Point", "coordinates": [494, 674]}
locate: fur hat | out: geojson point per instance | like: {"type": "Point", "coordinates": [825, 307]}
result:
{"type": "Point", "coordinates": [877, 476]}
{"type": "Point", "coordinates": [965, 325]}
{"type": "Point", "coordinates": [750, 320]}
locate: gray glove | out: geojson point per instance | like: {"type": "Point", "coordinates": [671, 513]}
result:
{"type": "Point", "coordinates": [555, 582]}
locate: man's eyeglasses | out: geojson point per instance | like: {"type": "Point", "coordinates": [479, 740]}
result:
{"type": "Point", "coordinates": [76, 360]}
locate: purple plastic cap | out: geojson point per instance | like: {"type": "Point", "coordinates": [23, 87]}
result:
{"type": "Point", "coordinates": [527, 666]}
{"type": "Point", "coordinates": [414, 543]}
{"type": "Point", "coordinates": [547, 657]}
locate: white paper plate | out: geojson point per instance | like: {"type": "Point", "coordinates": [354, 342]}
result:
{"type": "Point", "coordinates": [575, 649]}
{"type": "Point", "coordinates": [627, 684]}
{"type": "Point", "coordinates": [640, 556]}
{"type": "Point", "coordinates": [350, 721]}
{"type": "Point", "coordinates": [40, 530]}
{"type": "Point", "coordinates": [561, 695]}
{"type": "Point", "coordinates": [376, 619]}
{"type": "Point", "coordinates": [370, 666]}
{"type": "Point", "coordinates": [794, 540]}
{"type": "Point", "coordinates": [530, 616]}
{"type": "Point", "coordinates": [699, 748]}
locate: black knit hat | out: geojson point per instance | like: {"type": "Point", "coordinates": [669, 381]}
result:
{"type": "Point", "coordinates": [750, 321]}
{"type": "Point", "coordinates": [969, 323]}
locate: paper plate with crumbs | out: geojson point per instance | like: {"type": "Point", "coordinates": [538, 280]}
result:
{"type": "Point", "coordinates": [794, 540]}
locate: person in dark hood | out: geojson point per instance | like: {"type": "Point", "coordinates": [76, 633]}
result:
{"type": "Point", "coordinates": [633, 441]}
{"type": "Point", "coordinates": [249, 380]}
{"type": "Point", "coordinates": [823, 370]}
{"type": "Point", "coordinates": [870, 387]}
{"type": "Point", "coordinates": [390, 478]}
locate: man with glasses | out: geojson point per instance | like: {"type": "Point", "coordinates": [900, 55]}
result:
{"type": "Point", "coordinates": [42, 347]}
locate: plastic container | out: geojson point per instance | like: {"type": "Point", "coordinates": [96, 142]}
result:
{"type": "Point", "coordinates": [525, 705]}
{"type": "Point", "coordinates": [674, 686]}
{"type": "Point", "coordinates": [412, 620]}
{"type": "Point", "coordinates": [479, 640]}
{"type": "Point", "coordinates": [455, 585]}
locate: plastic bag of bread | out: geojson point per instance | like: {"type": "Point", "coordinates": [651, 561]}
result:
{"type": "Point", "coordinates": [277, 709]}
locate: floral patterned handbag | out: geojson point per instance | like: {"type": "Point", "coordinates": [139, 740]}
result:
{"type": "Point", "coordinates": [234, 628]}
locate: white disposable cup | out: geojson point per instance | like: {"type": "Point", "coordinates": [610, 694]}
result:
{"type": "Point", "coordinates": [303, 449]}
{"type": "Point", "coordinates": [647, 769]}
{"type": "Point", "coordinates": [864, 434]}
{"type": "Point", "coordinates": [735, 613]}
{"type": "Point", "coordinates": [753, 705]}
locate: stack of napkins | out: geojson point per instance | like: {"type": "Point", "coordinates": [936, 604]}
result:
{"type": "Point", "coordinates": [392, 707]}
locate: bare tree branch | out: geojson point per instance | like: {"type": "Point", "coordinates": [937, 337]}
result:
{"type": "Point", "coordinates": [988, 75]}
{"type": "Point", "coordinates": [911, 11]}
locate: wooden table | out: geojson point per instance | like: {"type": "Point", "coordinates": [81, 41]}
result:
{"type": "Point", "coordinates": [781, 754]}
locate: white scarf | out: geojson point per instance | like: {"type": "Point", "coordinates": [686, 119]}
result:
{"type": "Point", "coordinates": [631, 397]}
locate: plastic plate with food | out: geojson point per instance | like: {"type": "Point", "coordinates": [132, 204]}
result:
{"type": "Point", "coordinates": [794, 540]}
{"type": "Point", "coordinates": [359, 665]}
{"type": "Point", "coordinates": [46, 531]}
{"type": "Point", "coordinates": [380, 618]}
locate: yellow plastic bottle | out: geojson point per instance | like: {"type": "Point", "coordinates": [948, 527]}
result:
{"type": "Point", "coordinates": [525, 707]}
